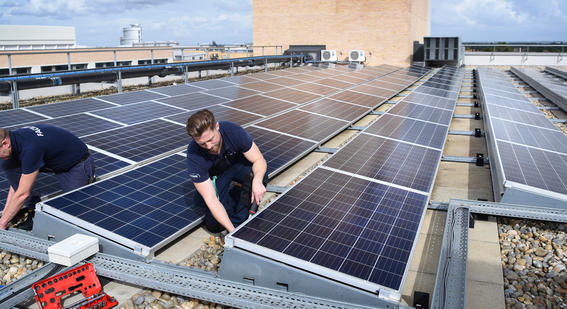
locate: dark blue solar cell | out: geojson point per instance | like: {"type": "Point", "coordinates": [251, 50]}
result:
{"type": "Point", "coordinates": [138, 112]}
{"type": "Point", "coordinates": [279, 149]}
{"type": "Point", "coordinates": [139, 211]}
{"type": "Point", "coordinates": [422, 112]}
{"type": "Point", "coordinates": [80, 124]}
{"type": "Point", "coordinates": [317, 222]}
{"type": "Point", "coordinates": [131, 97]}
{"type": "Point", "coordinates": [70, 107]}
{"type": "Point", "coordinates": [15, 117]}
{"type": "Point", "coordinates": [410, 130]}
{"type": "Point", "coordinates": [141, 141]}
{"type": "Point", "coordinates": [387, 160]}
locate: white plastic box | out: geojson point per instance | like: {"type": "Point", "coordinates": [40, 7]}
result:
{"type": "Point", "coordinates": [73, 249]}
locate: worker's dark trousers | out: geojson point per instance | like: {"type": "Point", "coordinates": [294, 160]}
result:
{"type": "Point", "coordinates": [229, 196]}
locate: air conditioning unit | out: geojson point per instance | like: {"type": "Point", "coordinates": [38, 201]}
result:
{"type": "Point", "coordinates": [328, 55]}
{"type": "Point", "coordinates": [356, 56]}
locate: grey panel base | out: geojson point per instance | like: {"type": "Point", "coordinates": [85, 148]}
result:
{"type": "Point", "coordinates": [244, 267]}
{"type": "Point", "coordinates": [21, 290]}
{"type": "Point", "coordinates": [48, 227]}
{"type": "Point", "coordinates": [520, 197]}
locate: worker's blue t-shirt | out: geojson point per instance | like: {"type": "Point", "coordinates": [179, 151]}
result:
{"type": "Point", "coordinates": [44, 147]}
{"type": "Point", "coordinates": [202, 164]}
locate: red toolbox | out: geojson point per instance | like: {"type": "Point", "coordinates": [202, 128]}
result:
{"type": "Point", "coordinates": [82, 279]}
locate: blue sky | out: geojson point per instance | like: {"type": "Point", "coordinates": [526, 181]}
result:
{"type": "Point", "coordinates": [100, 22]}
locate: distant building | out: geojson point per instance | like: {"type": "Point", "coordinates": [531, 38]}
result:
{"type": "Point", "coordinates": [14, 37]}
{"type": "Point", "coordinates": [131, 35]}
{"type": "Point", "coordinates": [384, 29]}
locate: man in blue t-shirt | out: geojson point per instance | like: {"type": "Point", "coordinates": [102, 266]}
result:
{"type": "Point", "coordinates": [219, 153]}
{"type": "Point", "coordinates": [41, 148]}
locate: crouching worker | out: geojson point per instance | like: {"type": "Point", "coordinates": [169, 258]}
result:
{"type": "Point", "coordinates": [220, 153]}
{"type": "Point", "coordinates": [41, 148]}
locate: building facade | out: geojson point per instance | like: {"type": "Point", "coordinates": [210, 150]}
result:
{"type": "Point", "coordinates": [384, 29]}
{"type": "Point", "coordinates": [15, 37]}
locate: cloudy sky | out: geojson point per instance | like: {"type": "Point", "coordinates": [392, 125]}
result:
{"type": "Point", "coordinates": [100, 22]}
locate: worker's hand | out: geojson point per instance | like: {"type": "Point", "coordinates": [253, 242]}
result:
{"type": "Point", "coordinates": [3, 225]}
{"type": "Point", "coordinates": [258, 191]}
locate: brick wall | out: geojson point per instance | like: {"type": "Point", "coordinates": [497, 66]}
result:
{"type": "Point", "coordinates": [384, 29]}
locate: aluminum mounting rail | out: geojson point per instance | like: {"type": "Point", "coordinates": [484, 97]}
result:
{"type": "Point", "coordinates": [175, 279]}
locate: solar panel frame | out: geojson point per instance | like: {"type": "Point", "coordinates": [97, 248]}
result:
{"type": "Point", "coordinates": [142, 141]}
{"type": "Point", "coordinates": [137, 194]}
{"type": "Point", "coordinates": [193, 101]}
{"type": "Point", "coordinates": [279, 150]}
{"type": "Point", "coordinates": [388, 161]}
{"type": "Point", "coordinates": [66, 108]}
{"type": "Point", "coordinates": [306, 125]}
{"type": "Point", "coordinates": [138, 112]}
{"type": "Point", "coordinates": [323, 223]}
{"type": "Point", "coordinates": [20, 116]}
{"type": "Point", "coordinates": [131, 97]}
{"type": "Point", "coordinates": [80, 124]}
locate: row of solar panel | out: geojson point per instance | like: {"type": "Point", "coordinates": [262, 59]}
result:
{"type": "Point", "coordinates": [278, 148]}
{"type": "Point", "coordinates": [530, 149]}
{"type": "Point", "coordinates": [357, 217]}
{"type": "Point", "coordinates": [554, 88]}
{"type": "Point", "coordinates": [138, 142]}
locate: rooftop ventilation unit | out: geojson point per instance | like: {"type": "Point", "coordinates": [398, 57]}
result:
{"type": "Point", "coordinates": [356, 56]}
{"type": "Point", "coordinates": [328, 55]}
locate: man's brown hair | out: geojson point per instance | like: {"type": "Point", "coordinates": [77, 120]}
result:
{"type": "Point", "coordinates": [4, 133]}
{"type": "Point", "coordinates": [200, 122]}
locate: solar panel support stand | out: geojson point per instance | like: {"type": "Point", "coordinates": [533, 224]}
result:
{"type": "Point", "coordinates": [248, 268]}
{"type": "Point", "coordinates": [43, 224]}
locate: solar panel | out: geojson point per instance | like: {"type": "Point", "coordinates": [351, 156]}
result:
{"type": "Point", "coordinates": [453, 95]}
{"type": "Point", "coordinates": [47, 183]}
{"type": "Point", "coordinates": [232, 92]}
{"type": "Point", "coordinates": [307, 77]}
{"type": "Point", "coordinates": [336, 109]}
{"type": "Point", "coordinates": [510, 103]}
{"type": "Point", "coordinates": [279, 149]}
{"type": "Point", "coordinates": [261, 86]}
{"type": "Point", "coordinates": [409, 130]}
{"type": "Point", "coordinates": [519, 116]}
{"type": "Point", "coordinates": [176, 90]}
{"type": "Point", "coordinates": [334, 83]}
{"type": "Point", "coordinates": [141, 141]}
{"type": "Point", "coordinates": [138, 112]}
{"type": "Point", "coordinates": [14, 117]}
{"type": "Point", "coordinates": [241, 79]}
{"type": "Point", "coordinates": [361, 232]}
{"type": "Point", "coordinates": [387, 85]}
{"type": "Point", "coordinates": [293, 96]}
{"type": "Point", "coordinates": [285, 81]}
{"type": "Point", "coordinates": [131, 97]}
{"type": "Point", "coordinates": [70, 107]}
{"type": "Point", "coordinates": [359, 98]}
{"type": "Point", "coordinates": [422, 112]}
{"type": "Point", "coordinates": [402, 83]}
{"type": "Point", "coordinates": [260, 104]}
{"type": "Point", "coordinates": [212, 83]}
{"type": "Point", "coordinates": [316, 88]}
{"type": "Point", "coordinates": [79, 125]}
{"type": "Point", "coordinates": [304, 124]}
{"type": "Point", "coordinates": [430, 100]}
{"type": "Point", "coordinates": [387, 160]}
{"type": "Point", "coordinates": [193, 101]}
{"type": "Point", "coordinates": [233, 115]}
{"type": "Point", "coordinates": [142, 208]}
{"type": "Point", "coordinates": [530, 136]}
{"type": "Point", "coordinates": [534, 167]}
{"type": "Point", "coordinates": [349, 79]}
{"type": "Point", "coordinates": [444, 86]}
{"type": "Point", "coordinates": [373, 90]}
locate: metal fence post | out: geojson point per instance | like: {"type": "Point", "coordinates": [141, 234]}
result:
{"type": "Point", "coordinates": [9, 64]}
{"type": "Point", "coordinates": [186, 68]}
{"type": "Point", "coordinates": [266, 65]}
{"type": "Point", "coordinates": [119, 80]}
{"type": "Point", "coordinates": [15, 95]}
